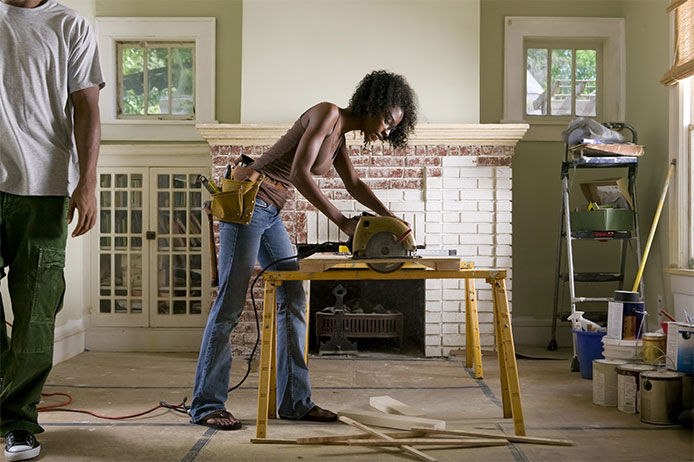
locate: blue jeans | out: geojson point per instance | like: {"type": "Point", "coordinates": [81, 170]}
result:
{"type": "Point", "coordinates": [264, 239]}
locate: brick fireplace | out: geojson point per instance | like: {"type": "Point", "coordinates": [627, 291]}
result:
{"type": "Point", "coordinates": [452, 184]}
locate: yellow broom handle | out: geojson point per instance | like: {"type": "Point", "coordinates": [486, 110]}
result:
{"type": "Point", "coordinates": [654, 225]}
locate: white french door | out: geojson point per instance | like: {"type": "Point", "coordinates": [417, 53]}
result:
{"type": "Point", "coordinates": [151, 265]}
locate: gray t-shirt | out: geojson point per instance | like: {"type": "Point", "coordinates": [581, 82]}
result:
{"type": "Point", "coordinates": [46, 53]}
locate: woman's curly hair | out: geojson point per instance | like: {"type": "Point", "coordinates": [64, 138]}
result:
{"type": "Point", "coordinates": [380, 91]}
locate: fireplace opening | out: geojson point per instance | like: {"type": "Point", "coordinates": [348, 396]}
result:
{"type": "Point", "coordinates": [377, 316]}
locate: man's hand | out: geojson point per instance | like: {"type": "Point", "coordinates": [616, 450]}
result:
{"type": "Point", "coordinates": [84, 201]}
{"type": "Point", "coordinates": [349, 225]}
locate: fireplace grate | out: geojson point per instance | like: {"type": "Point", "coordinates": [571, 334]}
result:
{"type": "Point", "coordinates": [362, 325]}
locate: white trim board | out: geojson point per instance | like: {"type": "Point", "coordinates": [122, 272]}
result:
{"type": "Point", "coordinates": [612, 33]}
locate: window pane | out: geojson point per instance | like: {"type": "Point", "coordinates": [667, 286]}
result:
{"type": "Point", "coordinates": [158, 75]}
{"type": "Point", "coordinates": [586, 82]}
{"type": "Point", "coordinates": [561, 82]}
{"type": "Point", "coordinates": [182, 81]}
{"type": "Point", "coordinates": [132, 70]}
{"type": "Point", "coordinates": [536, 81]}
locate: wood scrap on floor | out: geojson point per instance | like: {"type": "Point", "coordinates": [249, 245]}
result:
{"type": "Point", "coordinates": [512, 438]}
{"type": "Point", "coordinates": [399, 422]}
{"type": "Point", "coordinates": [393, 406]}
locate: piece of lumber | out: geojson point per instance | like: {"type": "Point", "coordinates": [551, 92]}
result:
{"type": "Point", "coordinates": [272, 441]}
{"type": "Point", "coordinates": [458, 442]}
{"type": "Point", "coordinates": [393, 406]}
{"type": "Point", "coordinates": [338, 438]}
{"type": "Point", "coordinates": [399, 422]}
{"type": "Point", "coordinates": [513, 438]}
{"type": "Point", "coordinates": [408, 449]}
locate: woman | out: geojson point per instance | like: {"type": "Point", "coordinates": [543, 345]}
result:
{"type": "Point", "coordinates": [383, 107]}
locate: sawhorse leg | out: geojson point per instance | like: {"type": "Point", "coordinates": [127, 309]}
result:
{"type": "Point", "coordinates": [473, 350]}
{"type": "Point", "coordinates": [267, 355]}
{"type": "Point", "coordinates": [508, 370]}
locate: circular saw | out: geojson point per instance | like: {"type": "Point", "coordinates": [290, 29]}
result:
{"type": "Point", "coordinates": [383, 238]}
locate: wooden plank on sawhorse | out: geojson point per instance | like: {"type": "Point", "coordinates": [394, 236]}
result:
{"type": "Point", "coordinates": [322, 262]}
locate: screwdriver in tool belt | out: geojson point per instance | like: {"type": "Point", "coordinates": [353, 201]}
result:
{"type": "Point", "coordinates": [209, 185]}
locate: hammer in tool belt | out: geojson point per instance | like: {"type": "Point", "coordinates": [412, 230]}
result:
{"type": "Point", "coordinates": [214, 278]}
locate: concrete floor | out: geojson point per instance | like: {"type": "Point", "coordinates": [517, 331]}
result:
{"type": "Point", "coordinates": [556, 404]}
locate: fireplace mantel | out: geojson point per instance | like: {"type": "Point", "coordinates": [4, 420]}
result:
{"type": "Point", "coordinates": [424, 134]}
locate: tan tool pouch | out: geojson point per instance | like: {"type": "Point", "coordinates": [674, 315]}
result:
{"type": "Point", "coordinates": [236, 202]}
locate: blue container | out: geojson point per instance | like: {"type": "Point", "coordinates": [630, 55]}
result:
{"type": "Point", "coordinates": [589, 348]}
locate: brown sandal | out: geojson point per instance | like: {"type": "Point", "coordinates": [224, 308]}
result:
{"type": "Point", "coordinates": [220, 420]}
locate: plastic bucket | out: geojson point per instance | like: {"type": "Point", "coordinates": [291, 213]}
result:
{"type": "Point", "coordinates": [588, 347]}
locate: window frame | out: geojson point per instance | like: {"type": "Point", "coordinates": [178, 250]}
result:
{"type": "Point", "coordinates": [565, 44]}
{"type": "Point", "coordinates": [610, 32]}
{"type": "Point", "coordinates": [201, 31]}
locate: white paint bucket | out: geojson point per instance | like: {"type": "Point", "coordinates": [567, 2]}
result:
{"type": "Point", "coordinates": [628, 386]}
{"type": "Point", "coordinates": [605, 381]}
{"type": "Point", "coordinates": [661, 397]}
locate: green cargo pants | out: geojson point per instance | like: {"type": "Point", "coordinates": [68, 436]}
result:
{"type": "Point", "coordinates": [33, 233]}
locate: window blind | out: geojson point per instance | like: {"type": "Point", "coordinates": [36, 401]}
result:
{"type": "Point", "coordinates": [683, 66]}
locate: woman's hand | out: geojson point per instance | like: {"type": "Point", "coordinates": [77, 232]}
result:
{"type": "Point", "coordinates": [349, 225]}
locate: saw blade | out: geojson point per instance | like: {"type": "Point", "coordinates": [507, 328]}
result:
{"type": "Point", "coordinates": [384, 245]}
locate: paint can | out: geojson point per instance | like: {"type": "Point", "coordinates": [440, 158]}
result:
{"type": "Point", "coordinates": [661, 397]}
{"type": "Point", "coordinates": [605, 381]}
{"type": "Point", "coordinates": [625, 316]}
{"type": "Point", "coordinates": [628, 386]}
{"type": "Point", "coordinates": [653, 348]}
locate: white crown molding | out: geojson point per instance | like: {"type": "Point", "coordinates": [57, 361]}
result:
{"type": "Point", "coordinates": [424, 134]}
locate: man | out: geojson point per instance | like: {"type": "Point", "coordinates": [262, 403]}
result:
{"type": "Point", "coordinates": [49, 143]}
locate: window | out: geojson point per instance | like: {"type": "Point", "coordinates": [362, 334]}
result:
{"type": "Point", "coordinates": [160, 77]}
{"type": "Point", "coordinates": [557, 68]}
{"type": "Point", "coordinates": [561, 81]}
{"type": "Point", "coordinates": [155, 80]}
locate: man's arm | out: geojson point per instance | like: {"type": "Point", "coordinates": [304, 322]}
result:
{"type": "Point", "coordinates": [87, 139]}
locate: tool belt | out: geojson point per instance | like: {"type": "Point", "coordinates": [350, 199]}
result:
{"type": "Point", "coordinates": [236, 202]}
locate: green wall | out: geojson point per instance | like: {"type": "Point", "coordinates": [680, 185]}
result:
{"type": "Point", "coordinates": [536, 165]}
{"type": "Point", "coordinates": [228, 39]}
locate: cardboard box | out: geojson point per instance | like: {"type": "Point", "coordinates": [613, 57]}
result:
{"type": "Point", "coordinates": [608, 193]}
{"type": "Point", "coordinates": [680, 347]}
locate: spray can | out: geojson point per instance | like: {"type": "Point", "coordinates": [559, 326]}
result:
{"type": "Point", "coordinates": [209, 185]}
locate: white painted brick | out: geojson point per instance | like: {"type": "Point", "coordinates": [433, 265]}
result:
{"type": "Point", "coordinates": [458, 161]}
{"type": "Point", "coordinates": [457, 205]}
{"type": "Point", "coordinates": [450, 284]}
{"type": "Point", "coordinates": [322, 228]}
{"type": "Point", "coordinates": [485, 306]}
{"type": "Point", "coordinates": [449, 329]}
{"type": "Point", "coordinates": [433, 294]}
{"type": "Point", "coordinates": [344, 205]}
{"type": "Point", "coordinates": [452, 183]}
{"type": "Point", "coordinates": [504, 172]}
{"type": "Point", "coordinates": [453, 339]}
{"type": "Point", "coordinates": [450, 306]}
{"type": "Point", "coordinates": [487, 340]}
{"type": "Point", "coordinates": [485, 318]}
{"type": "Point", "coordinates": [451, 217]}
{"type": "Point", "coordinates": [311, 227]}
{"type": "Point", "coordinates": [430, 228]}
{"type": "Point", "coordinates": [412, 206]}
{"type": "Point", "coordinates": [461, 228]}
{"type": "Point", "coordinates": [451, 194]}
{"type": "Point", "coordinates": [433, 329]}
{"type": "Point", "coordinates": [432, 305]}
{"type": "Point", "coordinates": [433, 284]}
{"type": "Point", "coordinates": [485, 250]}
{"type": "Point", "coordinates": [433, 239]}
{"type": "Point", "coordinates": [485, 206]}
{"type": "Point", "coordinates": [484, 262]}
{"type": "Point", "coordinates": [449, 239]}
{"type": "Point", "coordinates": [433, 352]}
{"type": "Point", "coordinates": [432, 340]}
{"type": "Point", "coordinates": [432, 317]}
{"type": "Point", "coordinates": [503, 206]}
{"type": "Point", "coordinates": [503, 239]}
{"type": "Point", "coordinates": [394, 194]}
{"type": "Point", "coordinates": [486, 328]}
{"type": "Point", "coordinates": [447, 350]}
{"type": "Point", "coordinates": [484, 194]}
{"type": "Point", "coordinates": [453, 294]}
{"type": "Point", "coordinates": [483, 294]}
{"type": "Point", "coordinates": [504, 228]}
{"type": "Point", "coordinates": [413, 195]}
{"type": "Point", "coordinates": [486, 183]}
{"type": "Point", "coordinates": [433, 206]}
{"type": "Point", "coordinates": [451, 316]}
{"type": "Point", "coordinates": [433, 194]}
{"type": "Point", "coordinates": [503, 217]}
{"type": "Point", "coordinates": [476, 172]}
{"type": "Point", "coordinates": [485, 228]}
{"type": "Point", "coordinates": [503, 262]}
{"type": "Point", "coordinates": [503, 183]}
{"type": "Point", "coordinates": [503, 194]}
{"type": "Point", "coordinates": [467, 183]}
{"type": "Point", "coordinates": [433, 217]}
{"type": "Point", "coordinates": [467, 251]}
{"type": "Point", "coordinates": [503, 250]}
{"type": "Point", "coordinates": [449, 172]}
{"type": "Point", "coordinates": [476, 238]}
{"type": "Point", "coordinates": [434, 183]}
{"type": "Point", "coordinates": [477, 217]}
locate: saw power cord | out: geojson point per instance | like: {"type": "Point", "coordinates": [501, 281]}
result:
{"type": "Point", "coordinates": [183, 408]}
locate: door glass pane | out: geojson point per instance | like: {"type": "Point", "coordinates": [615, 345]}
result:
{"type": "Point", "coordinates": [136, 275]}
{"type": "Point", "coordinates": [163, 270]}
{"type": "Point", "coordinates": [105, 181]}
{"type": "Point", "coordinates": [179, 307]}
{"type": "Point", "coordinates": [162, 181]}
{"type": "Point", "coordinates": [536, 81]}
{"type": "Point", "coordinates": [120, 274]}
{"type": "Point", "coordinates": [179, 181]}
{"type": "Point", "coordinates": [121, 181]}
{"type": "Point", "coordinates": [136, 180]}
{"type": "Point", "coordinates": [105, 199]}
{"type": "Point", "coordinates": [121, 306]}
{"type": "Point", "coordinates": [136, 222]}
{"type": "Point", "coordinates": [104, 306]}
{"type": "Point", "coordinates": [586, 82]}
{"type": "Point", "coordinates": [561, 81]}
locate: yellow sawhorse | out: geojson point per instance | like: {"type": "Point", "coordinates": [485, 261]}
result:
{"type": "Point", "coordinates": [510, 387]}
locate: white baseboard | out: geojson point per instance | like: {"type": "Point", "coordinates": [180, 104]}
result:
{"type": "Point", "coordinates": [129, 339]}
{"type": "Point", "coordinates": [69, 341]}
